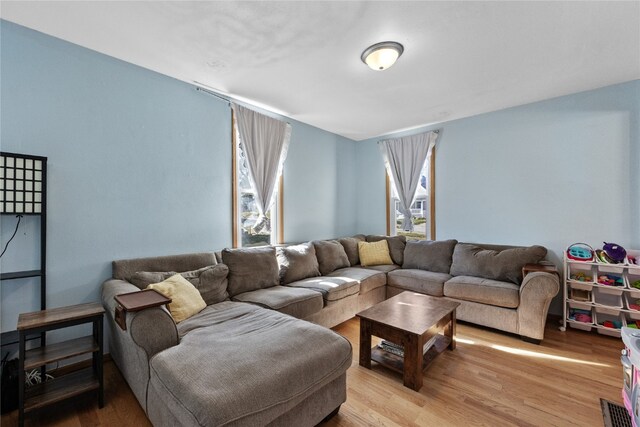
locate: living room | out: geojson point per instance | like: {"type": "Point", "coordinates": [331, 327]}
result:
{"type": "Point", "coordinates": [537, 108]}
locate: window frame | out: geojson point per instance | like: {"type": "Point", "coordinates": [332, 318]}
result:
{"type": "Point", "coordinates": [390, 200]}
{"type": "Point", "coordinates": [277, 226]}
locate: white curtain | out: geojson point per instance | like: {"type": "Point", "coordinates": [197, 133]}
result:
{"type": "Point", "coordinates": [265, 142]}
{"type": "Point", "coordinates": [404, 158]}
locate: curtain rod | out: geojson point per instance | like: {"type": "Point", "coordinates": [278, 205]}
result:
{"type": "Point", "coordinates": [229, 100]}
{"type": "Point", "coordinates": [212, 93]}
{"type": "Point", "coordinates": [436, 131]}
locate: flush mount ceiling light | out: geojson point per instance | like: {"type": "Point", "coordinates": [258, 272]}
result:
{"type": "Point", "coordinates": [382, 55]}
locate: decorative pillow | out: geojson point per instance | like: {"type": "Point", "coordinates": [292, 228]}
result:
{"type": "Point", "coordinates": [429, 255]}
{"type": "Point", "coordinates": [374, 253]}
{"type": "Point", "coordinates": [185, 298]}
{"type": "Point", "coordinates": [297, 262]}
{"type": "Point", "coordinates": [505, 265]}
{"type": "Point", "coordinates": [142, 279]}
{"type": "Point", "coordinates": [350, 245]}
{"type": "Point", "coordinates": [331, 256]}
{"type": "Point", "coordinates": [211, 282]}
{"type": "Point", "coordinates": [251, 269]}
{"type": "Point", "coordinates": [396, 246]}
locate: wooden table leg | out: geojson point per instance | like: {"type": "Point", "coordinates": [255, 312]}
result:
{"type": "Point", "coordinates": [412, 370]}
{"type": "Point", "coordinates": [365, 343]}
{"type": "Point", "coordinates": [99, 361]}
{"type": "Point", "coordinates": [21, 377]}
{"type": "Point", "coordinates": [451, 331]}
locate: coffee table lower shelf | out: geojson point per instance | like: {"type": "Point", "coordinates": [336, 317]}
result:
{"type": "Point", "coordinates": [396, 363]}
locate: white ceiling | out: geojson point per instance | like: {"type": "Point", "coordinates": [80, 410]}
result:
{"type": "Point", "coordinates": [302, 59]}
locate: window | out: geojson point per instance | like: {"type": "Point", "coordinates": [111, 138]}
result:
{"type": "Point", "coordinates": [245, 211]}
{"type": "Point", "coordinates": [422, 208]}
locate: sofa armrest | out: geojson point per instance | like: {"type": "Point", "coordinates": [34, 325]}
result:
{"type": "Point", "coordinates": [152, 329]}
{"type": "Point", "coordinates": [536, 292]}
{"type": "Point", "coordinates": [148, 332]}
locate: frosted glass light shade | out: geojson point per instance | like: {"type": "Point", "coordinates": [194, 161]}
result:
{"type": "Point", "coordinates": [382, 55]}
{"type": "Point", "coordinates": [22, 184]}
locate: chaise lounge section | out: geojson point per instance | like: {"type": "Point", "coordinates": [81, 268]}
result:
{"type": "Point", "coordinates": [232, 363]}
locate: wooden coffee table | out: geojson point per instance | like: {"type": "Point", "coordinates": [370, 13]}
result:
{"type": "Point", "coordinates": [408, 319]}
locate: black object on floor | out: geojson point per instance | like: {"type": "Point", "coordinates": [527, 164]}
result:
{"type": "Point", "coordinates": [614, 415]}
{"type": "Point", "coordinates": [9, 384]}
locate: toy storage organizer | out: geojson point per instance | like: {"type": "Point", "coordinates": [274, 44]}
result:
{"type": "Point", "coordinates": [588, 303]}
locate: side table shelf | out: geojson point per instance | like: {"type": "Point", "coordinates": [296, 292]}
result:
{"type": "Point", "coordinates": [64, 386]}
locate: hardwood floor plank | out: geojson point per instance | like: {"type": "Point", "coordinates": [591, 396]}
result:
{"type": "Point", "coordinates": [490, 379]}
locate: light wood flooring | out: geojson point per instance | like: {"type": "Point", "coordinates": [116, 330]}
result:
{"type": "Point", "coordinates": [491, 379]}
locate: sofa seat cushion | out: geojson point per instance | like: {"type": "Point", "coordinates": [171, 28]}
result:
{"type": "Point", "coordinates": [368, 279]}
{"type": "Point", "coordinates": [424, 282]}
{"type": "Point", "coordinates": [331, 288]}
{"type": "Point", "coordinates": [383, 268]}
{"type": "Point", "coordinates": [484, 291]}
{"type": "Point", "coordinates": [242, 364]}
{"type": "Point", "coordinates": [296, 302]}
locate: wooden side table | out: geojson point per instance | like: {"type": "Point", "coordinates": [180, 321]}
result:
{"type": "Point", "coordinates": [545, 268]}
{"type": "Point", "coordinates": [65, 386]}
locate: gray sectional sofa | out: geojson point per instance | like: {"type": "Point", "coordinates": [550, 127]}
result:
{"type": "Point", "coordinates": [248, 359]}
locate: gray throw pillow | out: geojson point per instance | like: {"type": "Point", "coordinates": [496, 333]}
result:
{"type": "Point", "coordinates": [251, 269]}
{"type": "Point", "coordinates": [396, 246]}
{"type": "Point", "coordinates": [331, 256]}
{"type": "Point", "coordinates": [350, 245]}
{"type": "Point", "coordinates": [210, 281]}
{"type": "Point", "coordinates": [142, 279]}
{"type": "Point", "coordinates": [429, 255]}
{"type": "Point", "coordinates": [297, 262]}
{"type": "Point", "coordinates": [505, 265]}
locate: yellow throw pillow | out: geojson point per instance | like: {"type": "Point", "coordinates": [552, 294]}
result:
{"type": "Point", "coordinates": [185, 298]}
{"type": "Point", "coordinates": [374, 253]}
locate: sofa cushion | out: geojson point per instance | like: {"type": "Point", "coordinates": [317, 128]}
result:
{"type": "Point", "coordinates": [350, 245]}
{"type": "Point", "coordinates": [374, 253]}
{"type": "Point", "coordinates": [185, 298]}
{"type": "Point", "coordinates": [296, 302]}
{"type": "Point", "coordinates": [142, 279]}
{"type": "Point", "coordinates": [424, 282]}
{"type": "Point", "coordinates": [368, 279]}
{"type": "Point", "coordinates": [331, 255]}
{"type": "Point", "coordinates": [383, 268]}
{"type": "Point", "coordinates": [396, 246]}
{"type": "Point", "coordinates": [230, 365]}
{"type": "Point", "coordinates": [331, 288]}
{"type": "Point", "coordinates": [503, 265]}
{"type": "Point", "coordinates": [124, 269]}
{"type": "Point", "coordinates": [429, 255]}
{"type": "Point", "coordinates": [251, 269]}
{"type": "Point", "coordinates": [210, 281]}
{"type": "Point", "coordinates": [484, 291]}
{"type": "Point", "coordinates": [297, 262]}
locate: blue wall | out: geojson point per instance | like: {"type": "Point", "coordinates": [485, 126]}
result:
{"type": "Point", "coordinates": [139, 165]}
{"type": "Point", "coordinates": [553, 173]}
